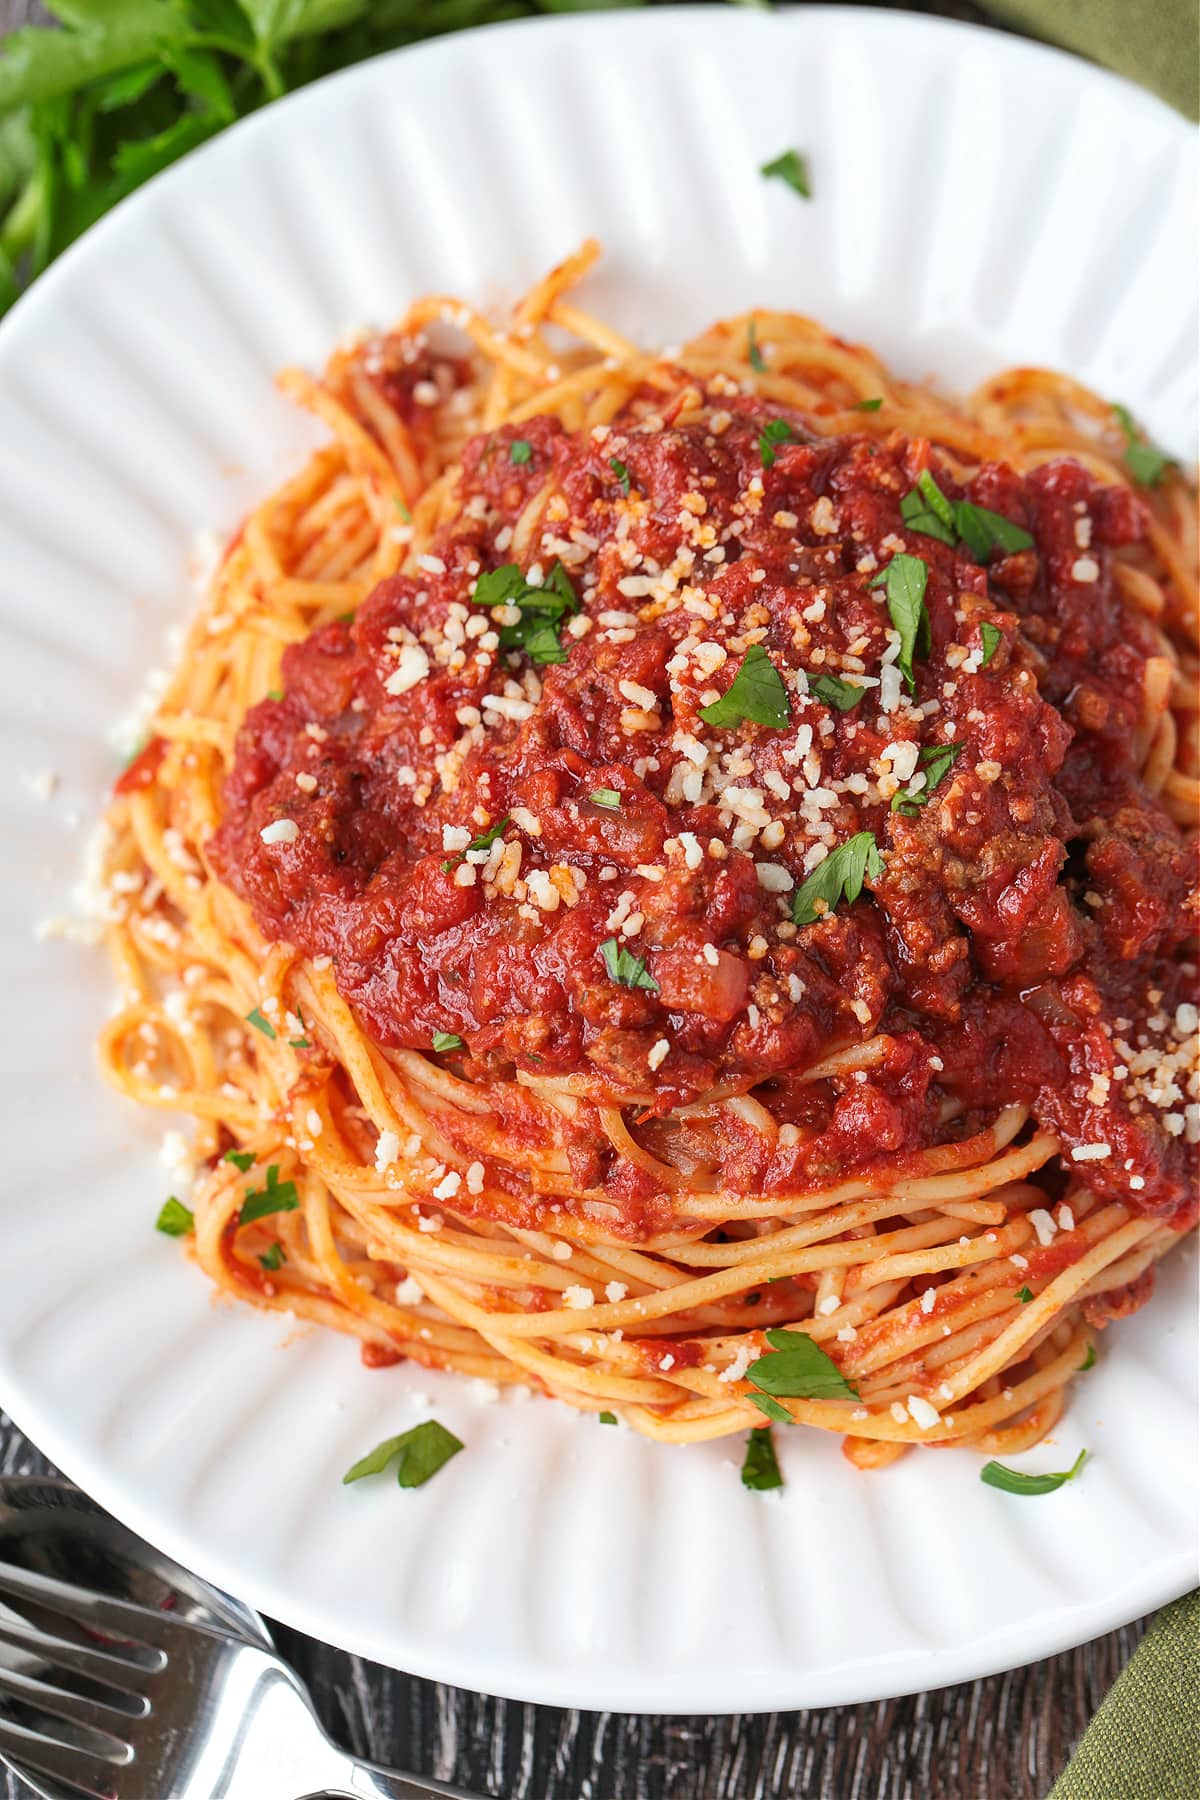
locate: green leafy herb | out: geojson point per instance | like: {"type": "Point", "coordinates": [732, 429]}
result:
{"type": "Point", "coordinates": [483, 841]}
{"type": "Point", "coordinates": [277, 1196]}
{"type": "Point", "coordinates": [542, 609]}
{"type": "Point", "coordinates": [756, 693]}
{"type": "Point", "coordinates": [775, 431]}
{"type": "Point", "coordinates": [259, 1023]}
{"type": "Point", "coordinates": [983, 531]}
{"type": "Point", "coordinates": [834, 691]}
{"type": "Point", "coordinates": [608, 1418]}
{"type": "Point", "coordinates": [840, 876]}
{"type": "Point", "coordinates": [274, 693]}
{"type": "Point", "coordinates": [1089, 1360]}
{"type": "Point", "coordinates": [241, 1159]}
{"type": "Point", "coordinates": [1012, 1481]}
{"type": "Point", "coordinates": [621, 472]}
{"type": "Point", "coordinates": [926, 509]}
{"type": "Point", "coordinates": [760, 1468]}
{"type": "Point", "coordinates": [422, 1451]}
{"type": "Point", "coordinates": [626, 969]}
{"type": "Point", "coordinates": [606, 797]}
{"type": "Point", "coordinates": [1145, 463]}
{"type": "Point", "coordinates": [798, 1369]}
{"type": "Point", "coordinates": [446, 1040]}
{"type": "Point", "coordinates": [938, 760]}
{"type": "Point", "coordinates": [404, 512]}
{"type": "Point", "coordinates": [772, 1408]}
{"type": "Point", "coordinates": [991, 637]}
{"type": "Point", "coordinates": [1024, 1295]}
{"type": "Point", "coordinates": [753, 353]}
{"type": "Point", "coordinates": [175, 1219]}
{"type": "Point", "coordinates": [789, 166]}
{"type": "Point", "coordinates": [904, 582]}
{"type": "Point", "coordinates": [274, 1258]}
{"type": "Point", "coordinates": [867, 405]}
{"type": "Point", "coordinates": [520, 451]}
{"type": "Point", "coordinates": [299, 1044]}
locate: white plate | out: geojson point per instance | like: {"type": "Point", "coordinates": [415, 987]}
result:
{"type": "Point", "coordinates": [978, 202]}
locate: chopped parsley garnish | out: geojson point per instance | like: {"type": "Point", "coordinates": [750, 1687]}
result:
{"type": "Point", "coordinates": [1012, 1481]}
{"type": "Point", "coordinates": [868, 405]}
{"type": "Point", "coordinates": [926, 509]}
{"type": "Point", "coordinates": [274, 1258]}
{"type": "Point", "coordinates": [277, 1196]}
{"type": "Point", "coordinates": [241, 1159]}
{"type": "Point", "coordinates": [840, 876]}
{"type": "Point", "coordinates": [760, 1468]}
{"type": "Point", "coordinates": [983, 531]}
{"type": "Point", "coordinates": [606, 797]}
{"type": "Point", "coordinates": [1089, 1360]}
{"type": "Point", "coordinates": [799, 1369]}
{"type": "Point", "coordinates": [772, 1408]}
{"type": "Point", "coordinates": [626, 969]}
{"type": "Point", "coordinates": [756, 693]}
{"type": "Point", "coordinates": [483, 841]}
{"type": "Point", "coordinates": [404, 512]}
{"type": "Point", "coordinates": [520, 451]}
{"type": "Point", "coordinates": [621, 472]}
{"type": "Point", "coordinates": [274, 693]}
{"type": "Point", "coordinates": [789, 166]}
{"type": "Point", "coordinates": [938, 760]}
{"type": "Point", "coordinates": [422, 1451]}
{"type": "Point", "coordinates": [1024, 1295]}
{"type": "Point", "coordinates": [991, 637]}
{"type": "Point", "coordinates": [175, 1219]}
{"type": "Point", "coordinates": [1145, 463]}
{"type": "Point", "coordinates": [775, 431]}
{"type": "Point", "coordinates": [256, 1019]}
{"type": "Point", "coordinates": [608, 1418]}
{"type": "Point", "coordinates": [446, 1040]}
{"type": "Point", "coordinates": [300, 1043]}
{"type": "Point", "coordinates": [834, 691]}
{"type": "Point", "coordinates": [904, 582]}
{"type": "Point", "coordinates": [753, 353]}
{"type": "Point", "coordinates": [542, 609]}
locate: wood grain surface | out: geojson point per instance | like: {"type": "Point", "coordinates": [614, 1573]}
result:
{"type": "Point", "coordinates": [1006, 1738]}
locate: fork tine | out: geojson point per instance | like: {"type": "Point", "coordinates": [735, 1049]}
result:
{"type": "Point", "coordinates": [84, 1710]}
{"type": "Point", "coordinates": [122, 1618]}
{"type": "Point", "coordinates": [81, 1659]}
{"type": "Point", "coordinates": [78, 1772]}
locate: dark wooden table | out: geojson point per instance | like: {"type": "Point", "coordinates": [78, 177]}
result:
{"type": "Point", "coordinates": [1006, 1738]}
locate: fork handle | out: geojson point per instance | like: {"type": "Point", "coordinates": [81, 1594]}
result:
{"type": "Point", "coordinates": [368, 1781]}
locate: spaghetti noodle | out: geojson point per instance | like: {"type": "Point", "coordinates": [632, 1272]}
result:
{"type": "Point", "coordinates": [640, 851]}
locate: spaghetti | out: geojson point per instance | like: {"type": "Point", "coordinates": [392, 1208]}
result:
{"type": "Point", "coordinates": [640, 851]}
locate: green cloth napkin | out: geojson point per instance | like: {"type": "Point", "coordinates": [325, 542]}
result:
{"type": "Point", "coordinates": [1154, 42]}
{"type": "Point", "coordinates": [1144, 1743]}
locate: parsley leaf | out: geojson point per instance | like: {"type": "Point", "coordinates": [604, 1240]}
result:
{"type": "Point", "coordinates": [983, 531]}
{"type": "Point", "coordinates": [241, 1159]}
{"type": "Point", "coordinates": [938, 759]}
{"type": "Point", "coordinates": [621, 472]}
{"type": "Point", "coordinates": [799, 1370]}
{"type": "Point", "coordinates": [446, 1040]}
{"type": "Point", "coordinates": [1145, 463]}
{"type": "Point", "coordinates": [1013, 1481]}
{"type": "Point", "coordinates": [834, 691]}
{"type": "Point", "coordinates": [520, 451]}
{"type": "Point", "coordinates": [753, 353]}
{"type": "Point", "coordinates": [422, 1450]}
{"type": "Point", "coordinates": [175, 1219]}
{"type": "Point", "coordinates": [542, 609]}
{"type": "Point", "coordinates": [274, 1258]}
{"type": "Point", "coordinates": [756, 693]}
{"type": "Point", "coordinates": [867, 405]}
{"type": "Point", "coordinates": [1024, 1295]}
{"type": "Point", "coordinates": [626, 969]}
{"type": "Point", "coordinates": [926, 509]}
{"type": "Point", "coordinates": [606, 797]}
{"type": "Point", "coordinates": [841, 875]}
{"type": "Point", "coordinates": [775, 431]}
{"type": "Point", "coordinates": [262, 1024]}
{"type": "Point", "coordinates": [608, 1418]}
{"type": "Point", "coordinates": [1089, 1360]}
{"type": "Point", "coordinates": [772, 1408]}
{"type": "Point", "coordinates": [760, 1468]}
{"type": "Point", "coordinates": [483, 841]}
{"type": "Point", "coordinates": [789, 166]}
{"type": "Point", "coordinates": [991, 637]}
{"type": "Point", "coordinates": [277, 1196]}
{"type": "Point", "coordinates": [904, 581]}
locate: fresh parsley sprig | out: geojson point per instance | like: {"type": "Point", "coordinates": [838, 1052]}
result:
{"type": "Point", "coordinates": [418, 1453]}
{"type": "Point", "coordinates": [937, 760]}
{"type": "Point", "coordinates": [928, 510]}
{"type": "Point", "coordinates": [839, 877]}
{"type": "Point", "coordinates": [626, 969]}
{"type": "Point", "coordinates": [542, 609]}
{"type": "Point", "coordinates": [1146, 463]}
{"type": "Point", "coordinates": [1014, 1481]}
{"type": "Point", "coordinates": [756, 693]}
{"type": "Point", "coordinates": [904, 581]}
{"type": "Point", "coordinates": [798, 1369]}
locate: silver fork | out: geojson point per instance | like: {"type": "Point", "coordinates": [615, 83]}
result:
{"type": "Point", "coordinates": [154, 1707]}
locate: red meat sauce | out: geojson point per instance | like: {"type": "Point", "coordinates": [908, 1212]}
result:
{"type": "Point", "coordinates": [1028, 920]}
